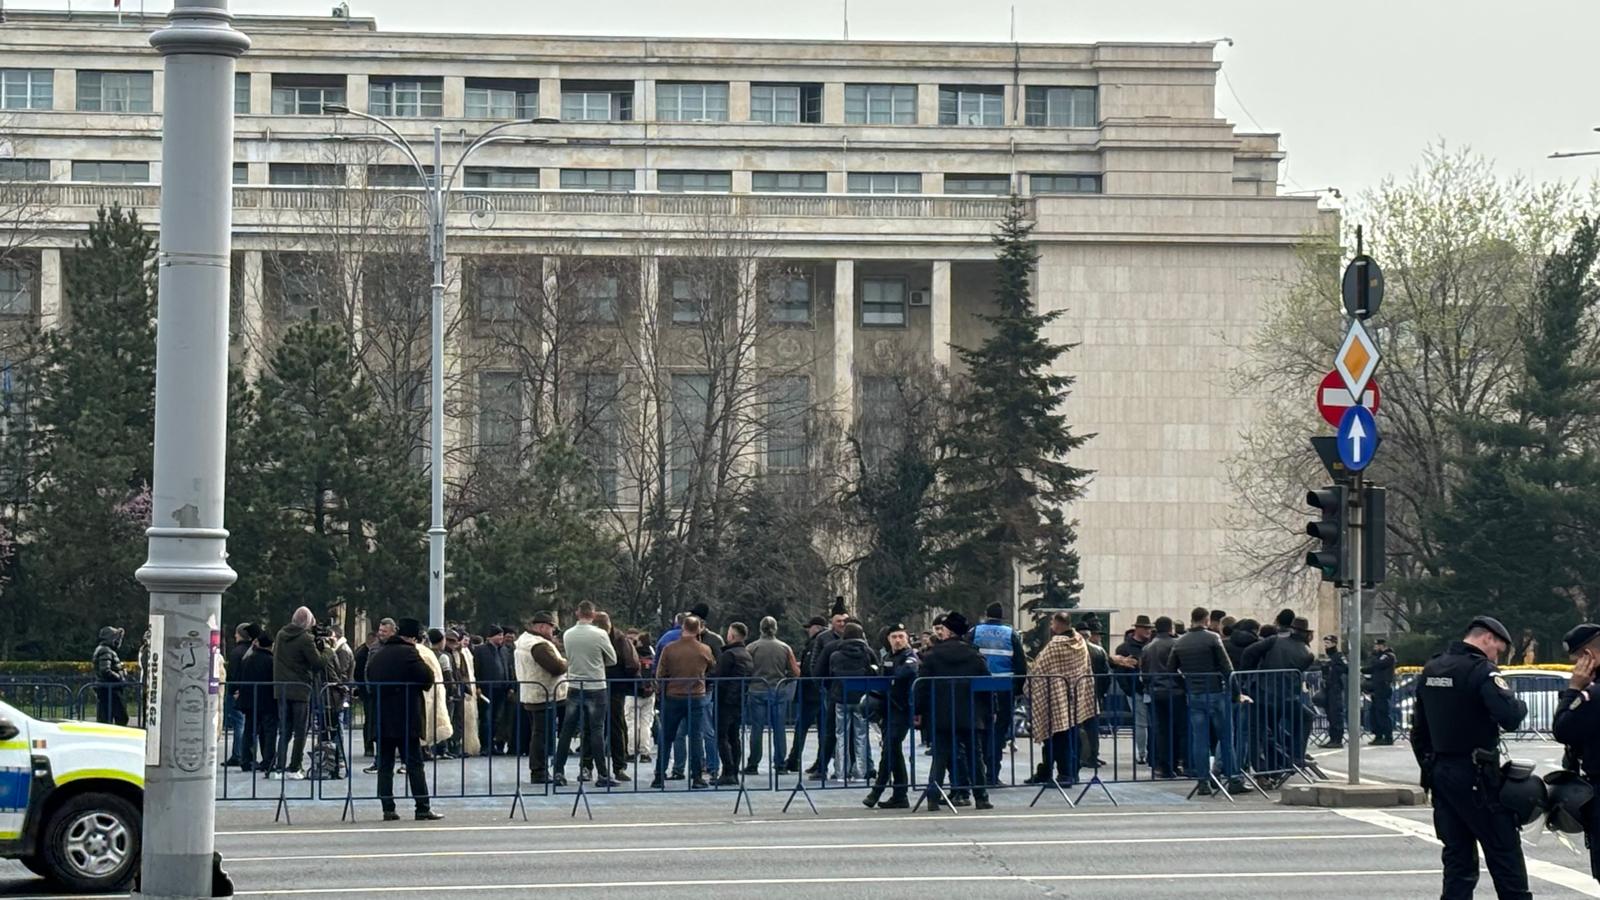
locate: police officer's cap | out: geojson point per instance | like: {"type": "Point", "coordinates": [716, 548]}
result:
{"type": "Point", "coordinates": [1579, 637]}
{"type": "Point", "coordinates": [1494, 627]}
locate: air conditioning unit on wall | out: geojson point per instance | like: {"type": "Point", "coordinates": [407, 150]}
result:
{"type": "Point", "coordinates": [918, 298]}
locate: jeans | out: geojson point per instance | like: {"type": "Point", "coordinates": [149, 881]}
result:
{"type": "Point", "coordinates": [410, 752]}
{"type": "Point", "coordinates": [233, 722]}
{"type": "Point", "coordinates": [587, 713]}
{"type": "Point", "coordinates": [682, 716]}
{"type": "Point", "coordinates": [1208, 720]}
{"type": "Point", "coordinates": [294, 719]}
{"type": "Point", "coordinates": [1168, 711]}
{"type": "Point", "coordinates": [768, 712]}
{"type": "Point", "coordinates": [809, 695]}
{"type": "Point", "coordinates": [1143, 737]}
{"type": "Point", "coordinates": [852, 741]}
{"type": "Point", "coordinates": [641, 721]}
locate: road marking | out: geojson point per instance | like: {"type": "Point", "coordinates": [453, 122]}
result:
{"type": "Point", "coordinates": [764, 848]}
{"type": "Point", "coordinates": [855, 879]}
{"type": "Point", "coordinates": [1562, 876]}
{"type": "Point", "coordinates": [290, 831]}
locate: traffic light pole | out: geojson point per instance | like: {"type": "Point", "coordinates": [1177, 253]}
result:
{"type": "Point", "coordinates": [1353, 647]}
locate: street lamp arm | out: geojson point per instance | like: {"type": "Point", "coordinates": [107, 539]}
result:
{"type": "Point", "coordinates": [491, 136]}
{"type": "Point", "coordinates": [395, 140]}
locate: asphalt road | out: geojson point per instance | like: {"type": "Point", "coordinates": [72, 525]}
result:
{"type": "Point", "coordinates": [1155, 844]}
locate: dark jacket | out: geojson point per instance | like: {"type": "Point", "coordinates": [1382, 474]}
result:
{"type": "Point", "coordinates": [1462, 705]}
{"type": "Point", "coordinates": [235, 656]}
{"type": "Point", "coordinates": [945, 698]}
{"type": "Point", "coordinates": [1156, 663]}
{"type": "Point", "coordinates": [626, 669]}
{"type": "Point", "coordinates": [825, 642]}
{"type": "Point", "coordinates": [108, 664]}
{"type": "Point", "coordinates": [1381, 668]}
{"type": "Point", "coordinates": [808, 654]}
{"type": "Point", "coordinates": [297, 662]}
{"type": "Point", "coordinates": [1577, 724]}
{"type": "Point", "coordinates": [1100, 668]}
{"type": "Point", "coordinates": [253, 687]}
{"type": "Point", "coordinates": [733, 671]}
{"type": "Point", "coordinates": [1288, 653]}
{"type": "Point", "coordinates": [1335, 675]}
{"type": "Point", "coordinates": [1198, 656]}
{"type": "Point", "coordinates": [849, 658]}
{"type": "Point", "coordinates": [402, 678]}
{"type": "Point", "coordinates": [1238, 643]}
{"type": "Point", "coordinates": [1127, 679]}
{"type": "Point", "coordinates": [1250, 659]}
{"type": "Point", "coordinates": [903, 667]}
{"type": "Point", "coordinates": [489, 665]}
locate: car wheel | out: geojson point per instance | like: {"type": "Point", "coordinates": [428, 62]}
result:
{"type": "Point", "coordinates": [92, 843]}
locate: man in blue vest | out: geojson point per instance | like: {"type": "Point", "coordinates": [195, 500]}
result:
{"type": "Point", "coordinates": [1001, 647]}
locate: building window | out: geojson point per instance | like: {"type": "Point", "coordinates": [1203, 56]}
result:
{"type": "Point", "coordinates": [241, 93]}
{"type": "Point", "coordinates": [27, 88]}
{"type": "Point", "coordinates": [691, 400]}
{"type": "Point", "coordinates": [597, 298]}
{"type": "Point", "coordinates": [16, 291]}
{"type": "Point", "coordinates": [880, 424]}
{"type": "Point", "coordinates": [107, 172]}
{"type": "Point", "coordinates": [124, 92]}
{"type": "Point", "coordinates": [789, 182]}
{"type": "Point", "coordinates": [1065, 107]}
{"type": "Point", "coordinates": [977, 184]}
{"type": "Point", "coordinates": [885, 183]}
{"type": "Point", "coordinates": [1064, 184]}
{"type": "Point", "coordinates": [499, 416]}
{"type": "Point", "coordinates": [395, 176]}
{"type": "Point", "coordinates": [406, 98]}
{"type": "Point", "coordinates": [972, 105]}
{"type": "Point", "coordinates": [296, 283]}
{"type": "Point", "coordinates": [305, 174]}
{"type": "Point", "coordinates": [500, 178]}
{"type": "Point", "coordinates": [880, 104]}
{"type": "Point", "coordinates": [688, 304]}
{"type": "Point", "coordinates": [241, 173]}
{"type": "Point", "coordinates": [883, 301]}
{"type": "Point", "coordinates": [784, 104]}
{"type": "Point", "coordinates": [597, 101]}
{"type": "Point", "coordinates": [691, 101]}
{"type": "Point", "coordinates": [788, 401]}
{"type": "Point", "coordinates": [597, 179]}
{"type": "Point", "coordinates": [791, 298]}
{"type": "Point", "coordinates": [24, 170]}
{"type": "Point", "coordinates": [306, 95]}
{"type": "Point", "coordinates": [496, 295]}
{"type": "Point", "coordinates": [678, 182]}
{"type": "Point", "coordinates": [599, 428]}
{"type": "Point", "coordinates": [493, 98]}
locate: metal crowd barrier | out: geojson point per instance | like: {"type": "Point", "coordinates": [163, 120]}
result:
{"type": "Point", "coordinates": [42, 699]}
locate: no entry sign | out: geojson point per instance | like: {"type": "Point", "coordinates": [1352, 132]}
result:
{"type": "Point", "coordinates": [1333, 398]}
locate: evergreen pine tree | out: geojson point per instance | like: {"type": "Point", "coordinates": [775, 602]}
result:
{"type": "Point", "coordinates": [1005, 470]}
{"type": "Point", "coordinates": [1519, 536]}
{"type": "Point", "coordinates": [94, 411]}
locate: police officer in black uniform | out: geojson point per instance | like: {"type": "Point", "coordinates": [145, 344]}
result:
{"type": "Point", "coordinates": [1462, 704]}
{"type": "Point", "coordinates": [1577, 723]}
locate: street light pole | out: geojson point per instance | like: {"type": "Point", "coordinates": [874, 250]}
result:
{"type": "Point", "coordinates": [436, 208]}
{"type": "Point", "coordinates": [187, 567]}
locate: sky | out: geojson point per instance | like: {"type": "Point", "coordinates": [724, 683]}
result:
{"type": "Point", "coordinates": [1358, 89]}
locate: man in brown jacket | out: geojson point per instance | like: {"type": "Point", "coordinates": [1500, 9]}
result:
{"type": "Point", "coordinates": [681, 668]}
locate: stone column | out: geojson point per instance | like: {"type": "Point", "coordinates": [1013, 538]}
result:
{"type": "Point", "coordinates": [355, 94]}
{"type": "Point", "coordinates": [455, 97]}
{"type": "Point", "coordinates": [252, 314]}
{"type": "Point", "coordinates": [939, 313]}
{"type": "Point", "coordinates": [739, 101]}
{"type": "Point", "coordinates": [65, 89]}
{"type": "Point", "coordinates": [927, 104]}
{"type": "Point", "coordinates": [549, 100]}
{"type": "Point", "coordinates": [457, 327]}
{"type": "Point", "coordinates": [650, 381]}
{"type": "Point", "coordinates": [50, 288]}
{"type": "Point", "coordinates": [844, 340]}
{"type": "Point", "coordinates": [548, 306]}
{"type": "Point", "coordinates": [833, 103]}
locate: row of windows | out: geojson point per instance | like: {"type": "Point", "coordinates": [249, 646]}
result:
{"type": "Point", "coordinates": [581, 101]}
{"type": "Point", "coordinates": [619, 180]}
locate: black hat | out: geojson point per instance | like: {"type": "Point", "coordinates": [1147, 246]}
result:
{"type": "Point", "coordinates": [435, 636]}
{"type": "Point", "coordinates": [817, 621]}
{"type": "Point", "coordinates": [956, 623]}
{"type": "Point", "coordinates": [544, 618]}
{"type": "Point", "coordinates": [1494, 627]}
{"type": "Point", "coordinates": [896, 626]}
{"type": "Point", "coordinates": [838, 607]}
{"type": "Point", "coordinates": [1090, 623]}
{"type": "Point", "coordinates": [1143, 621]}
{"type": "Point", "coordinates": [1301, 625]}
{"type": "Point", "coordinates": [409, 628]}
{"type": "Point", "coordinates": [701, 610]}
{"type": "Point", "coordinates": [1579, 637]}
{"type": "Point", "coordinates": [995, 611]}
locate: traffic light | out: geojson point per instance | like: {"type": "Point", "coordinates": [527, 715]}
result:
{"type": "Point", "coordinates": [1330, 557]}
{"type": "Point", "coordinates": [1373, 543]}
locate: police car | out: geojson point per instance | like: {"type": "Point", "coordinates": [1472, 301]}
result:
{"type": "Point", "coordinates": [71, 800]}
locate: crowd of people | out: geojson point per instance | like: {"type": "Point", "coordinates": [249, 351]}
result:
{"type": "Point", "coordinates": [1210, 699]}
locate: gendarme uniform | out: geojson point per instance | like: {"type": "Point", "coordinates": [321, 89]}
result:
{"type": "Point", "coordinates": [1462, 704]}
{"type": "Point", "coordinates": [1577, 724]}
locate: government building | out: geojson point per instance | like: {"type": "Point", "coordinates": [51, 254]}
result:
{"type": "Point", "coordinates": [818, 212]}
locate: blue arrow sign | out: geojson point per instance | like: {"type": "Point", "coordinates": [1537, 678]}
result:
{"type": "Point", "coordinates": [1358, 438]}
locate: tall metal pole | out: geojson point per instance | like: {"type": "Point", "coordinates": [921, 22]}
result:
{"type": "Point", "coordinates": [1353, 685]}
{"type": "Point", "coordinates": [187, 567]}
{"type": "Point", "coordinates": [437, 210]}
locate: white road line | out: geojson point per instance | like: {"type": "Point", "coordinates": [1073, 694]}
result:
{"type": "Point", "coordinates": [765, 848]}
{"type": "Point", "coordinates": [1562, 876]}
{"type": "Point", "coordinates": [915, 878]}
{"type": "Point", "coordinates": [290, 831]}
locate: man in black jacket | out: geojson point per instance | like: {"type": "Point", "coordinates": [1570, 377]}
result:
{"type": "Point", "coordinates": [944, 692]}
{"type": "Point", "coordinates": [1245, 634]}
{"type": "Point", "coordinates": [401, 678]}
{"type": "Point", "coordinates": [1380, 669]}
{"type": "Point", "coordinates": [808, 694]}
{"type": "Point", "coordinates": [1167, 707]}
{"type": "Point", "coordinates": [232, 718]}
{"type": "Point", "coordinates": [850, 658]}
{"type": "Point", "coordinates": [489, 667]}
{"type": "Point", "coordinates": [1281, 693]}
{"type": "Point", "coordinates": [1100, 668]}
{"type": "Point", "coordinates": [733, 671]}
{"type": "Point", "coordinates": [902, 666]}
{"type": "Point", "coordinates": [1198, 657]}
{"type": "Point", "coordinates": [829, 709]}
{"type": "Point", "coordinates": [1125, 680]}
{"type": "Point", "coordinates": [252, 695]}
{"type": "Point", "coordinates": [1335, 676]}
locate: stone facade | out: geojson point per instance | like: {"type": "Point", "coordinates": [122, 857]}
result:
{"type": "Point", "coordinates": [1166, 238]}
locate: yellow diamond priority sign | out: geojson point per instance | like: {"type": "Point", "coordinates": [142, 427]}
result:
{"type": "Point", "coordinates": [1357, 358]}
